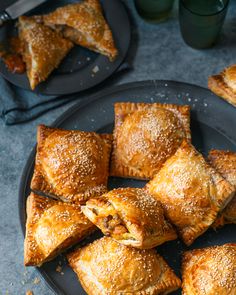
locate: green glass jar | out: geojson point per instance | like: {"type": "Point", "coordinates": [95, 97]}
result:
{"type": "Point", "coordinates": [201, 21]}
{"type": "Point", "coordinates": [154, 10]}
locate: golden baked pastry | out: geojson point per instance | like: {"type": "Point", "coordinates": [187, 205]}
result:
{"type": "Point", "coordinates": [224, 84]}
{"type": "Point", "coordinates": [225, 163]}
{"type": "Point", "coordinates": [191, 192]}
{"type": "Point", "coordinates": [131, 216]}
{"type": "Point", "coordinates": [71, 165]}
{"type": "Point", "coordinates": [52, 227]}
{"type": "Point", "coordinates": [43, 49]}
{"type": "Point", "coordinates": [145, 136]}
{"type": "Point", "coordinates": [110, 268]}
{"type": "Point", "coordinates": [84, 24]}
{"type": "Point", "coordinates": [210, 271]}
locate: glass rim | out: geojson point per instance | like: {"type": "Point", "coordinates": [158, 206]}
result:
{"type": "Point", "coordinates": [199, 14]}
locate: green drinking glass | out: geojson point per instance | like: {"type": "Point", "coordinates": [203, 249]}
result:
{"type": "Point", "coordinates": [154, 11]}
{"type": "Point", "coordinates": [201, 21]}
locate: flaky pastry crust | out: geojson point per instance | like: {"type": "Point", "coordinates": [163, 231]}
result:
{"type": "Point", "coordinates": [84, 24]}
{"type": "Point", "coordinates": [71, 165]}
{"type": "Point", "coordinates": [43, 49]}
{"type": "Point", "coordinates": [225, 163]}
{"type": "Point", "coordinates": [131, 216]}
{"type": "Point", "coordinates": [224, 84]}
{"type": "Point", "coordinates": [145, 136]}
{"type": "Point", "coordinates": [210, 271]}
{"type": "Point", "coordinates": [51, 228]}
{"type": "Point", "coordinates": [191, 192]}
{"type": "Point", "coordinates": [110, 268]}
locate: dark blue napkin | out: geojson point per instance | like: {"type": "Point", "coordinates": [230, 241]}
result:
{"type": "Point", "coordinates": [18, 105]}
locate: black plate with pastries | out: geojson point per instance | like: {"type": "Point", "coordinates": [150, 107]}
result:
{"type": "Point", "coordinates": [211, 125]}
{"type": "Point", "coordinates": [81, 69]}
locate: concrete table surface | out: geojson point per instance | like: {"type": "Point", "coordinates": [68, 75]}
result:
{"type": "Point", "coordinates": [157, 52]}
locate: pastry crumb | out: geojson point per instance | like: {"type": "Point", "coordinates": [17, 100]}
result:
{"type": "Point", "coordinates": [95, 69]}
{"type": "Point", "coordinates": [36, 281]}
{"type": "Point", "coordinates": [29, 292]}
{"type": "Point", "coordinates": [59, 268]}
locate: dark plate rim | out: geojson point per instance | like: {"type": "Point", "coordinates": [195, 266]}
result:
{"type": "Point", "coordinates": [63, 117]}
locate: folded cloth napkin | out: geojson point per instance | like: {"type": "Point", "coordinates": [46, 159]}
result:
{"type": "Point", "coordinates": [19, 105]}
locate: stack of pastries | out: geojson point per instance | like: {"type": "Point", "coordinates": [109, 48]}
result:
{"type": "Point", "coordinates": [47, 39]}
{"type": "Point", "coordinates": [184, 196]}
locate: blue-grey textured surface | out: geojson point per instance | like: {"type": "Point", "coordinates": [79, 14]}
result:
{"type": "Point", "coordinates": [158, 53]}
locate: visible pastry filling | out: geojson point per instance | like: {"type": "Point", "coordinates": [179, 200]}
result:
{"type": "Point", "coordinates": [107, 218]}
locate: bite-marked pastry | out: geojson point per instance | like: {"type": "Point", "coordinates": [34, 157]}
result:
{"type": "Point", "coordinates": [224, 84]}
{"type": "Point", "coordinates": [84, 24]}
{"type": "Point", "coordinates": [43, 49]}
{"type": "Point", "coordinates": [191, 192]}
{"type": "Point", "coordinates": [145, 136]}
{"type": "Point", "coordinates": [225, 163]}
{"type": "Point", "coordinates": [52, 227]}
{"type": "Point", "coordinates": [110, 268]}
{"type": "Point", "coordinates": [210, 271]}
{"type": "Point", "coordinates": [131, 216]}
{"type": "Point", "coordinates": [71, 165]}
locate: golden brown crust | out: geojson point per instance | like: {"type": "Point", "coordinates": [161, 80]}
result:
{"type": "Point", "coordinates": [84, 24]}
{"type": "Point", "coordinates": [145, 135]}
{"type": "Point", "coordinates": [225, 163]}
{"type": "Point", "coordinates": [224, 84]}
{"type": "Point", "coordinates": [43, 50]}
{"type": "Point", "coordinates": [210, 271]}
{"type": "Point", "coordinates": [108, 267]}
{"type": "Point", "coordinates": [191, 192]}
{"type": "Point", "coordinates": [71, 165]}
{"type": "Point", "coordinates": [51, 228]}
{"type": "Point", "coordinates": [131, 216]}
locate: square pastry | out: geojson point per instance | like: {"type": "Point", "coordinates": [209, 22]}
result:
{"type": "Point", "coordinates": [131, 216]}
{"type": "Point", "coordinates": [84, 24]}
{"type": "Point", "coordinates": [145, 136]}
{"type": "Point", "coordinates": [52, 227]}
{"type": "Point", "coordinates": [210, 271]}
{"type": "Point", "coordinates": [110, 268]}
{"type": "Point", "coordinates": [71, 165]}
{"type": "Point", "coordinates": [191, 192]}
{"type": "Point", "coordinates": [225, 163]}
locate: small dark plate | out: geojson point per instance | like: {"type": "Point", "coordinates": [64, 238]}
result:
{"type": "Point", "coordinates": [212, 121]}
{"type": "Point", "coordinates": [75, 73]}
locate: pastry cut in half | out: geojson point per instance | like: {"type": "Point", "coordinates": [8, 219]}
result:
{"type": "Point", "coordinates": [225, 163]}
{"type": "Point", "coordinates": [110, 268]}
{"type": "Point", "coordinates": [145, 136]}
{"type": "Point", "coordinates": [71, 165]}
{"type": "Point", "coordinates": [43, 49]}
{"type": "Point", "coordinates": [130, 216]}
{"type": "Point", "coordinates": [210, 271]}
{"type": "Point", "coordinates": [224, 84]}
{"type": "Point", "coordinates": [52, 227]}
{"type": "Point", "coordinates": [84, 24]}
{"type": "Point", "coordinates": [191, 192]}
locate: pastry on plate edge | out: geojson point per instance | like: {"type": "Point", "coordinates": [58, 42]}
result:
{"type": "Point", "coordinates": [84, 24]}
{"type": "Point", "coordinates": [71, 165]}
{"type": "Point", "coordinates": [51, 228]}
{"type": "Point", "coordinates": [108, 267]}
{"type": "Point", "coordinates": [42, 49]}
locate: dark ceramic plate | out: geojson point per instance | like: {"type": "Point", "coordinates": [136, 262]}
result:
{"type": "Point", "coordinates": [76, 73]}
{"type": "Point", "coordinates": [212, 121]}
